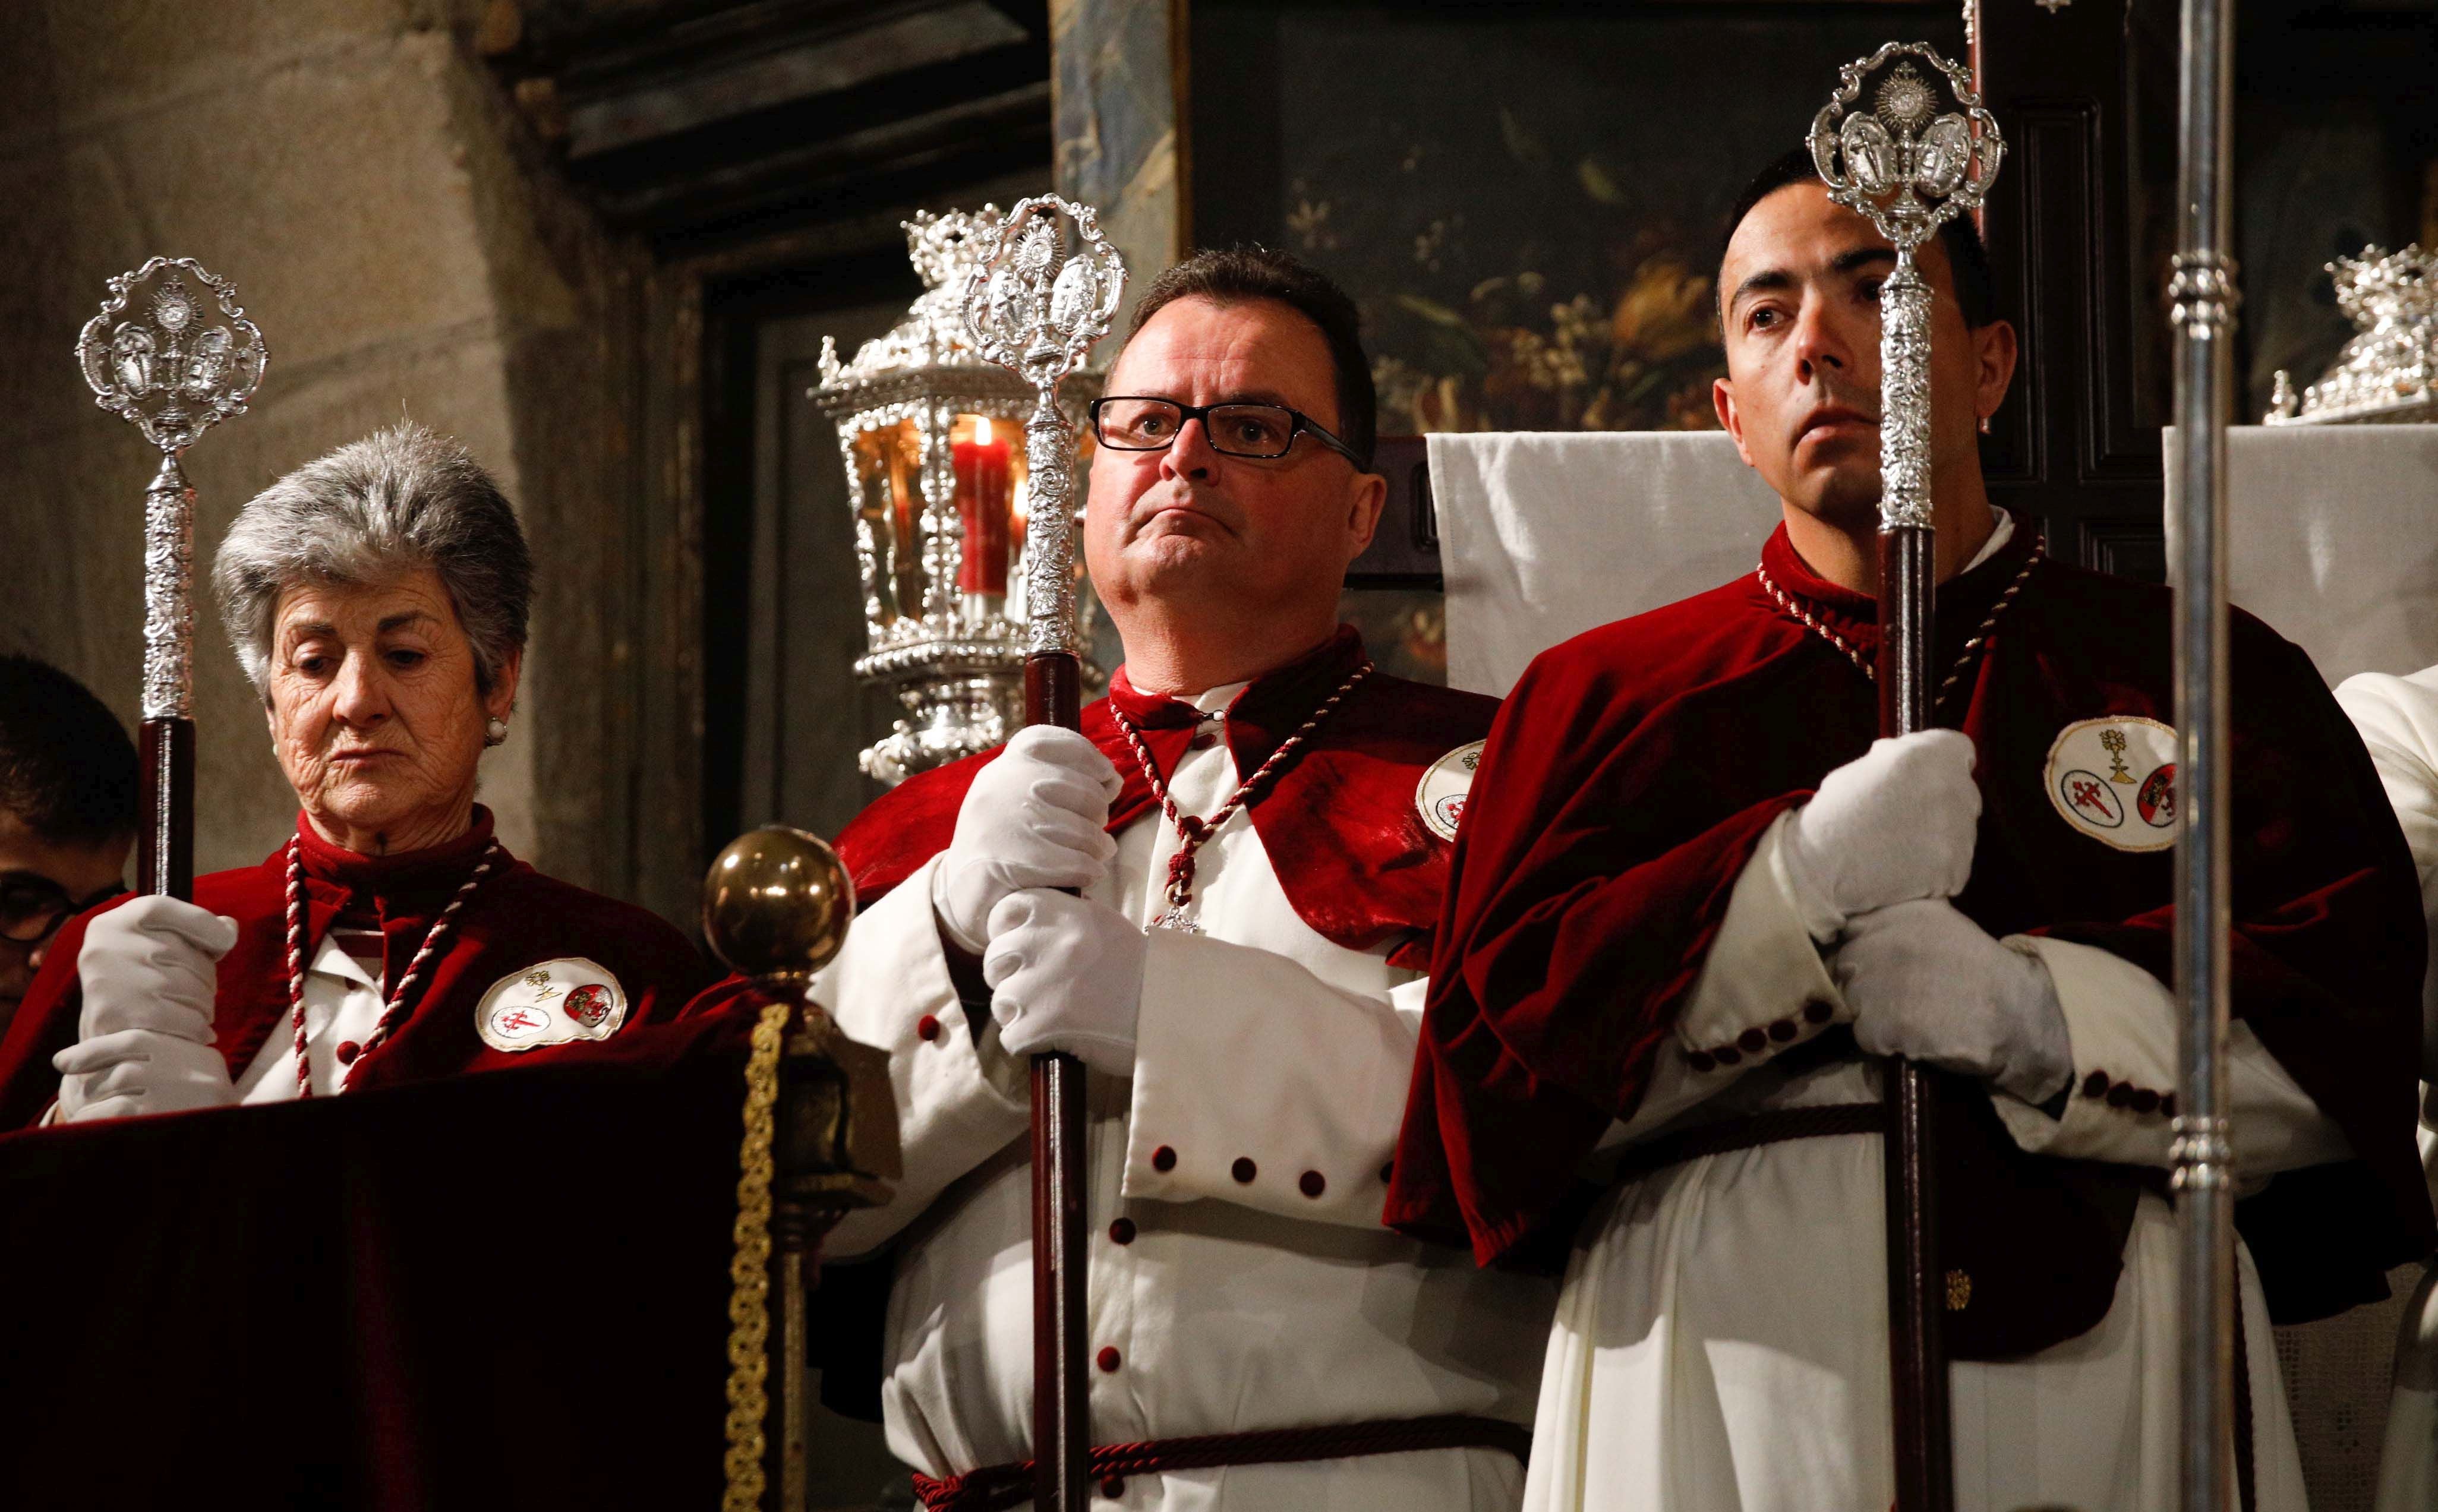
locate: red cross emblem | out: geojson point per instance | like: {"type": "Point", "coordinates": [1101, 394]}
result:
{"type": "Point", "coordinates": [2089, 796]}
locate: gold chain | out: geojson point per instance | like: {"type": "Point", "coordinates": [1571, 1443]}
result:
{"type": "Point", "coordinates": [749, 1274]}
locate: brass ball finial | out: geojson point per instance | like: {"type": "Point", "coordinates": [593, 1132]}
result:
{"type": "Point", "coordinates": [777, 903]}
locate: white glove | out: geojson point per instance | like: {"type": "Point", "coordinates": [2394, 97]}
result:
{"type": "Point", "coordinates": [1066, 974]}
{"type": "Point", "coordinates": [145, 1030]}
{"type": "Point", "coordinates": [1928, 984]}
{"type": "Point", "coordinates": [147, 964]}
{"type": "Point", "coordinates": [1892, 825]}
{"type": "Point", "coordinates": [135, 1072]}
{"type": "Point", "coordinates": [1034, 819]}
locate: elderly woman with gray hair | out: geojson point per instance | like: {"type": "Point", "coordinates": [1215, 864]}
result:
{"type": "Point", "coordinates": [377, 598]}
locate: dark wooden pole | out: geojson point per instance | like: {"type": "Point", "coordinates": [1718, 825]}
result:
{"type": "Point", "coordinates": [1917, 1348]}
{"type": "Point", "coordinates": [1061, 1411]}
{"type": "Point", "coordinates": [164, 852]}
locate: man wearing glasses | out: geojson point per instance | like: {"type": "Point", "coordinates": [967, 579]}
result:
{"type": "Point", "coordinates": [68, 813]}
{"type": "Point", "coordinates": [1255, 826]}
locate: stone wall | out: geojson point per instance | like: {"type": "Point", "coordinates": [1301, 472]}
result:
{"type": "Point", "coordinates": [358, 174]}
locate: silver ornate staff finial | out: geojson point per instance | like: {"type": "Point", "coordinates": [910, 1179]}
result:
{"type": "Point", "coordinates": [1910, 166]}
{"type": "Point", "coordinates": [172, 375]}
{"type": "Point", "coordinates": [1037, 313]}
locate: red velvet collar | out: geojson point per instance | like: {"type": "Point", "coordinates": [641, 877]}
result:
{"type": "Point", "coordinates": [1275, 703]}
{"type": "Point", "coordinates": [403, 871]}
{"type": "Point", "coordinates": [411, 880]}
{"type": "Point", "coordinates": [1339, 819]}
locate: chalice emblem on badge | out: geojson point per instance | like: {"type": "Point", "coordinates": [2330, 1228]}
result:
{"type": "Point", "coordinates": [2114, 741]}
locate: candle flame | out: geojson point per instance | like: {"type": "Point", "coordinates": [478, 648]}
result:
{"type": "Point", "coordinates": [981, 430]}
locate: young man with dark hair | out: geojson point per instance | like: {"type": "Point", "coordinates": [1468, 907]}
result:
{"type": "Point", "coordinates": [68, 813]}
{"type": "Point", "coordinates": [1701, 902]}
{"type": "Point", "coordinates": [1256, 825]}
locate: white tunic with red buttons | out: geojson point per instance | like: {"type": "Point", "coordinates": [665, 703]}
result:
{"type": "Point", "coordinates": [1240, 1276]}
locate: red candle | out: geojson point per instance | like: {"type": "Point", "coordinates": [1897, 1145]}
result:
{"type": "Point", "coordinates": [985, 492]}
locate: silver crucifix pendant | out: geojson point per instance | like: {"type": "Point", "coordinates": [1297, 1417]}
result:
{"type": "Point", "coordinates": [1178, 919]}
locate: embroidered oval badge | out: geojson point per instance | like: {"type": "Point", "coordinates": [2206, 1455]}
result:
{"type": "Point", "coordinates": [1440, 797]}
{"type": "Point", "coordinates": [2114, 780]}
{"type": "Point", "coordinates": [551, 1003]}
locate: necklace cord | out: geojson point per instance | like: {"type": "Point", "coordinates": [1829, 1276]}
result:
{"type": "Point", "coordinates": [1192, 830]}
{"type": "Point", "coordinates": [393, 1013]}
{"type": "Point", "coordinates": [1796, 606]}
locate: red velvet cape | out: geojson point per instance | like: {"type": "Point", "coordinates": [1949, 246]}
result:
{"type": "Point", "coordinates": [1339, 821]}
{"type": "Point", "coordinates": [517, 918]}
{"type": "Point", "coordinates": [1637, 766]}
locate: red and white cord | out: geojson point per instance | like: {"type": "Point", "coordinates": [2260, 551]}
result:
{"type": "Point", "coordinates": [1191, 831]}
{"type": "Point", "coordinates": [393, 1014]}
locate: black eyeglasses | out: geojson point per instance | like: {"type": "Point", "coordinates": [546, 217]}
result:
{"type": "Point", "coordinates": [1130, 423]}
{"type": "Point", "coordinates": [32, 907]}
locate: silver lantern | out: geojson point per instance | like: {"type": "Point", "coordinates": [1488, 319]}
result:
{"type": "Point", "coordinates": [932, 436]}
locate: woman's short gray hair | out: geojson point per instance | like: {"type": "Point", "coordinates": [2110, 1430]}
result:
{"type": "Point", "coordinates": [371, 512]}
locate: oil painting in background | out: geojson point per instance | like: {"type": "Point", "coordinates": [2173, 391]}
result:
{"type": "Point", "coordinates": [1527, 201]}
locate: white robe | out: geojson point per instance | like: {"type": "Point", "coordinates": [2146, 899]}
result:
{"type": "Point", "coordinates": [2398, 718]}
{"type": "Point", "coordinates": [1235, 1304]}
{"type": "Point", "coordinates": [1720, 1343]}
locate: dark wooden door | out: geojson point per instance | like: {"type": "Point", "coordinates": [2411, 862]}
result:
{"type": "Point", "coordinates": [2072, 229]}
{"type": "Point", "coordinates": [783, 602]}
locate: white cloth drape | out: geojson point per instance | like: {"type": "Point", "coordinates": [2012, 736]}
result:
{"type": "Point", "coordinates": [1543, 536]}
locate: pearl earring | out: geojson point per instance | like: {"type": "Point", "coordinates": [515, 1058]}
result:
{"type": "Point", "coordinates": [495, 733]}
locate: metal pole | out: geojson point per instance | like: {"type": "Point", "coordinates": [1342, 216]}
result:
{"type": "Point", "coordinates": [2203, 300]}
{"type": "Point", "coordinates": [1909, 166]}
{"type": "Point", "coordinates": [1032, 311]}
{"type": "Point", "coordinates": [172, 375]}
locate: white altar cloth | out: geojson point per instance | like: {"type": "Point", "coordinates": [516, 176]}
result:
{"type": "Point", "coordinates": [1544, 535]}
{"type": "Point", "coordinates": [2335, 535]}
